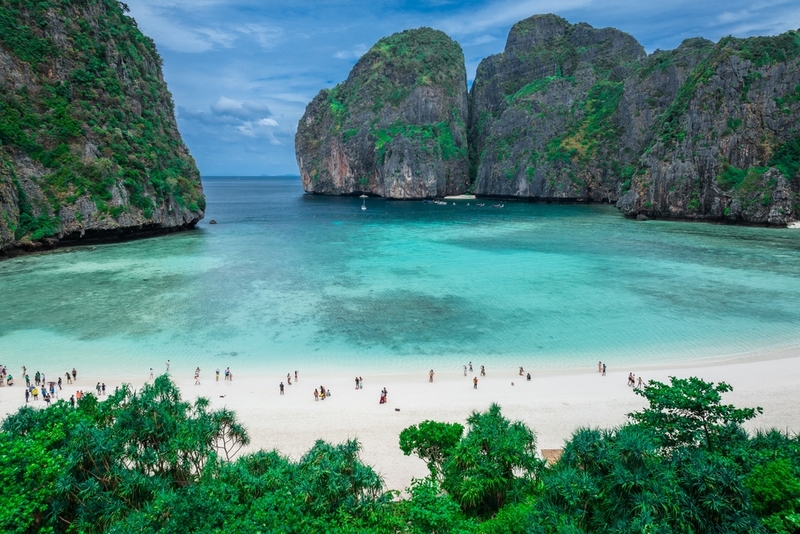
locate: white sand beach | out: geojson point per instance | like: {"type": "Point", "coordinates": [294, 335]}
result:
{"type": "Point", "coordinates": [552, 404]}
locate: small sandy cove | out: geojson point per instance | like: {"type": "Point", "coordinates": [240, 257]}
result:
{"type": "Point", "coordinates": [553, 404]}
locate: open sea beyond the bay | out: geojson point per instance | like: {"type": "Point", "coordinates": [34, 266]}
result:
{"type": "Point", "coordinates": [290, 281]}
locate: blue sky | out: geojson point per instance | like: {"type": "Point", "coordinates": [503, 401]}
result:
{"type": "Point", "coordinates": [242, 71]}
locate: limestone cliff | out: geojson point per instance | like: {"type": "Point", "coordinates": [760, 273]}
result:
{"type": "Point", "coordinates": [395, 128]}
{"type": "Point", "coordinates": [706, 131]}
{"type": "Point", "coordinates": [728, 145]}
{"type": "Point", "coordinates": [89, 146]}
{"type": "Point", "coordinates": [543, 114]}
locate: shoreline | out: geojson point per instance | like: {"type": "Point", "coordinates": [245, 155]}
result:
{"type": "Point", "coordinates": [554, 403]}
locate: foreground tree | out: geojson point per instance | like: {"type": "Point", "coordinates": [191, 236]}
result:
{"type": "Point", "coordinates": [689, 412]}
{"type": "Point", "coordinates": [493, 464]}
{"type": "Point", "coordinates": [432, 441]}
{"type": "Point", "coordinates": [619, 481]}
{"type": "Point", "coordinates": [102, 460]}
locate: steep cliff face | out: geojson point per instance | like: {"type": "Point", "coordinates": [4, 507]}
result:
{"type": "Point", "coordinates": [728, 145]}
{"type": "Point", "coordinates": [88, 140]}
{"type": "Point", "coordinates": [548, 115]}
{"type": "Point", "coordinates": [395, 128]}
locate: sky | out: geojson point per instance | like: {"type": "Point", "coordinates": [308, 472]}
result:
{"type": "Point", "coordinates": [241, 72]}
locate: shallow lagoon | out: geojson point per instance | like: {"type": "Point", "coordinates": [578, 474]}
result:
{"type": "Point", "coordinates": [289, 281]}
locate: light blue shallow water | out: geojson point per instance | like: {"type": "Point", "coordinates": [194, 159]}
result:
{"type": "Point", "coordinates": [290, 281]}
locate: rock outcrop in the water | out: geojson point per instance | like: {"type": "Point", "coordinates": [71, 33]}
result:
{"type": "Point", "coordinates": [89, 147]}
{"type": "Point", "coordinates": [570, 113]}
{"type": "Point", "coordinates": [395, 128]}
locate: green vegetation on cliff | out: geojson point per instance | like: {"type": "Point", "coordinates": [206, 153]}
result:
{"type": "Point", "coordinates": [152, 462]}
{"type": "Point", "coordinates": [394, 66]}
{"type": "Point", "coordinates": [89, 106]}
{"type": "Point", "coordinates": [400, 112]}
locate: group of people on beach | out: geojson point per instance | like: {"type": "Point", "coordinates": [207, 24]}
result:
{"type": "Point", "coordinates": [289, 380]}
{"type": "Point", "coordinates": [5, 378]}
{"type": "Point", "coordinates": [475, 378]}
{"type": "Point", "coordinates": [634, 382]}
{"type": "Point", "coordinates": [41, 386]}
{"type": "Point", "coordinates": [321, 393]}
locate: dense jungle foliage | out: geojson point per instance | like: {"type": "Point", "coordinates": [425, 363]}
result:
{"type": "Point", "coordinates": [89, 78]}
{"type": "Point", "coordinates": [147, 461]}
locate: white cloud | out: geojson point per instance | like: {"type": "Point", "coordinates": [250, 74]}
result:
{"type": "Point", "coordinates": [504, 14]}
{"type": "Point", "coordinates": [217, 36]}
{"type": "Point", "coordinates": [267, 36]}
{"type": "Point", "coordinates": [766, 18]}
{"type": "Point", "coordinates": [167, 33]}
{"type": "Point", "coordinates": [355, 53]}
{"type": "Point", "coordinates": [483, 39]}
{"type": "Point", "coordinates": [259, 128]}
{"type": "Point", "coordinates": [168, 24]}
{"type": "Point", "coordinates": [241, 110]}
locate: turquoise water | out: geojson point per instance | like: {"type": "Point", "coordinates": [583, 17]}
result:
{"type": "Point", "coordinates": [290, 281]}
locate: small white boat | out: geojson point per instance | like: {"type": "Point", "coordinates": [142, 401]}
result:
{"type": "Point", "coordinates": [364, 202]}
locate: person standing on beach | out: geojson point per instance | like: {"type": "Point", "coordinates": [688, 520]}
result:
{"type": "Point", "coordinates": [475, 383]}
{"type": "Point", "coordinates": [599, 367]}
{"type": "Point", "coordinates": [465, 370]}
{"type": "Point", "coordinates": [27, 395]}
{"type": "Point", "coordinates": [74, 374]}
{"type": "Point", "coordinates": [167, 362]}
{"type": "Point", "coordinates": [72, 400]}
{"type": "Point", "coordinates": [35, 393]}
{"type": "Point", "coordinates": [529, 377]}
{"type": "Point", "coordinates": [639, 384]}
{"type": "Point", "coordinates": [197, 377]}
{"type": "Point", "coordinates": [217, 374]}
{"type": "Point", "coordinates": [356, 382]}
{"type": "Point", "coordinates": [316, 395]}
{"type": "Point", "coordinates": [151, 373]}
{"type": "Point", "coordinates": [430, 376]}
{"type": "Point", "coordinates": [289, 378]}
{"type": "Point", "coordinates": [604, 369]}
{"type": "Point", "coordinates": [103, 388]}
{"type": "Point", "coordinates": [470, 367]}
{"type": "Point", "coordinates": [360, 382]}
{"type": "Point", "coordinates": [295, 376]}
{"type": "Point", "coordinates": [227, 373]}
{"type": "Point", "coordinates": [59, 383]}
{"type": "Point", "coordinates": [69, 378]}
{"type": "Point", "coordinates": [483, 371]}
{"type": "Point", "coordinates": [521, 371]}
{"type": "Point", "coordinates": [281, 387]}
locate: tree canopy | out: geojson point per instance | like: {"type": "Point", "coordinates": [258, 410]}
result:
{"type": "Point", "coordinates": [148, 461]}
